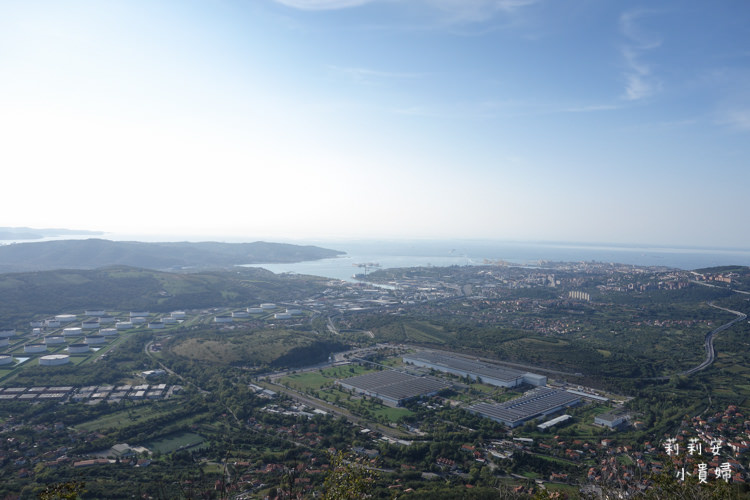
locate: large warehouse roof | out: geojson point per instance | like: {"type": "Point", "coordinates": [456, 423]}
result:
{"type": "Point", "coordinates": [464, 364]}
{"type": "Point", "coordinates": [540, 401]}
{"type": "Point", "coordinates": [394, 385]}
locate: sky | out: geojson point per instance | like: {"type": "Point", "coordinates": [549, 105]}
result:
{"type": "Point", "coordinates": [541, 120]}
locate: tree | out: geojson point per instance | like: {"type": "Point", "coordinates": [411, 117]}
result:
{"type": "Point", "coordinates": [347, 479]}
{"type": "Point", "coordinates": [69, 490]}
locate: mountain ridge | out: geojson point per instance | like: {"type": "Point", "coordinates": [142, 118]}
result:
{"type": "Point", "coordinates": [95, 253]}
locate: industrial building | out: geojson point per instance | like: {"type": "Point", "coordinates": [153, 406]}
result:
{"type": "Point", "coordinates": [551, 423]}
{"type": "Point", "coordinates": [539, 402]}
{"type": "Point", "coordinates": [474, 369]}
{"type": "Point", "coordinates": [393, 388]}
{"type": "Point", "coordinates": [611, 419]}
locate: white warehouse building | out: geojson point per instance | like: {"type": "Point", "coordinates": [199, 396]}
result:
{"type": "Point", "coordinates": [474, 369]}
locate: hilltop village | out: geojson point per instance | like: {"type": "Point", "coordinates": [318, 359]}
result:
{"type": "Point", "coordinates": [563, 378]}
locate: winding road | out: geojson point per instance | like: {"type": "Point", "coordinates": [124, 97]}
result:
{"type": "Point", "coordinates": [709, 342]}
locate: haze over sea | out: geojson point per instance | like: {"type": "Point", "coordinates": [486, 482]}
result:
{"type": "Point", "coordinates": [390, 254]}
{"type": "Point", "coordinates": [403, 253]}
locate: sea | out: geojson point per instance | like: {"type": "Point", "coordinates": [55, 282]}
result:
{"type": "Point", "coordinates": [365, 256]}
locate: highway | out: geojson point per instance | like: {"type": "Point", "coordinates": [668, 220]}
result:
{"type": "Point", "coordinates": [709, 340]}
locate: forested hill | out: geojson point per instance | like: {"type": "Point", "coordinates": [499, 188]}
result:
{"type": "Point", "coordinates": [96, 253]}
{"type": "Point", "coordinates": [27, 295]}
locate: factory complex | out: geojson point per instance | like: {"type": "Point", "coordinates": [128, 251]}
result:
{"type": "Point", "coordinates": [91, 394]}
{"type": "Point", "coordinates": [488, 373]}
{"type": "Point", "coordinates": [391, 387]}
{"type": "Point", "coordinates": [539, 402]}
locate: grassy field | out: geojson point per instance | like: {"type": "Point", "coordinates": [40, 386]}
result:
{"type": "Point", "coordinates": [127, 417]}
{"type": "Point", "coordinates": [318, 384]}
{"type": "Point", "coordinates": [258, 347]}
{"type": "Point", "coordinates": [174, 442]}
{"type": "Point", "coordinates": [316, 380]}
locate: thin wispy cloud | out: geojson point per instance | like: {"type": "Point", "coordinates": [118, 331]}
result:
{"type": "Point", "coordinates": [323, 4]}
{"type": "Point", "coordinates": [592, 108]}
{"type": "Point", "coordinates": [469, 11]}
{"type": "Point", "coordinates": [370, 76]}
{"type": "Point", "coordinates": [455, 11]}
{"type": "Point", "coordinates": [640, 82]}
{"type": "Point", "coordinates": [738, 119]}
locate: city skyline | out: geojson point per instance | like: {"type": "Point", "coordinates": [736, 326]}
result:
{"type": "Point", "coordinates": [614, 122]}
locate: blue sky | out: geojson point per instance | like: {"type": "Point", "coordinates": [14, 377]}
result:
{"type": "Point", "coordinates": [588, 121]}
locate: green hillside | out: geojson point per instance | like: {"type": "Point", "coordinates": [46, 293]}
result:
{"type": "Point", "coordinates": [96, 253]}
{"type": "Point", "coordinates": [26, 295]}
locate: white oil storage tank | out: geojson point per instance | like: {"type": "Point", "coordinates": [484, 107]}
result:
{"type": "Point", "coordinates": [54, 359]}
{"type": "Point", "coordinates": [78, 348]}
{"type": "Point", "coordinates": [34, 348]}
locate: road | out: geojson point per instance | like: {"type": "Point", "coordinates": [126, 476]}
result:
{"type": "Point", "coordinates": [709, 341]}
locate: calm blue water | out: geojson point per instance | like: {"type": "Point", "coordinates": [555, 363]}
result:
{"type": "Point", "coordinates": [390, 254]}
{"type": "Point", "coordinates": [442, 253]}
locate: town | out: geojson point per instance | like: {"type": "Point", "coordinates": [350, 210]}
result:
{"type": "Point", "coordinates": [459, 374]}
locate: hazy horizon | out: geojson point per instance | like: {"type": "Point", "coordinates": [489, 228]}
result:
{"type": "Point", "coordinates": [502, 120]}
